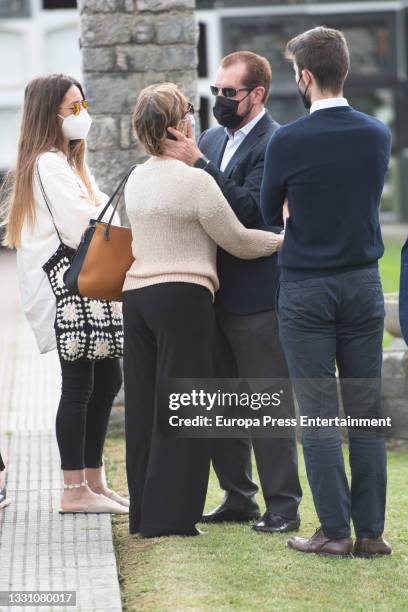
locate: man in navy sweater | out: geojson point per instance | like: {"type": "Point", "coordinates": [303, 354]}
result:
{"type": "Point", "coordinates": [331, 165]}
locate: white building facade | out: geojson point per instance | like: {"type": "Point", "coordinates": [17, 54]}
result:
{"type": "Point", "coordinates": [36, 38]}
{"type": "Point", "coordinates": [42, 36]}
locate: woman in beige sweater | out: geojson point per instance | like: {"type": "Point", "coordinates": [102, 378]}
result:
{"type": "Point", "coordinates": [178, 216]}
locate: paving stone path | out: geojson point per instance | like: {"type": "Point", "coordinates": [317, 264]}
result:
{"type": "Point", "coordinates": [40, 549]}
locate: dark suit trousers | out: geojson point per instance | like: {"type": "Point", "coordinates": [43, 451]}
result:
{"type": "Point", "coordinates": [169, 332]}
{"type": "Point", "coordinates": [323, 321]}
{"type": "Point", "coordinates": [249, 346]}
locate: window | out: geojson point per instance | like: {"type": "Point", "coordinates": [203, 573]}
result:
{"type": "Point", "coordinates": [14, 8]}
{"type": "Point", "coordinates": [59, 4]}
{"type": "Point", "coordinates": [202, 51]}
{"type": "Point", "coordinates": [266, 35]}
{"type": "Point", "coordinates": [204, 114]}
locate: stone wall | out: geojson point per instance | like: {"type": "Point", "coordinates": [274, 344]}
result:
{"type": "Point", "coordinates": [127, 45]}
{"type": "Point", "coordinates": [395, 388]}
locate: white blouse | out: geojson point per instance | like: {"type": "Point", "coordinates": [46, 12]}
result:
{"type": "Point", "coordinates": [72, 210]}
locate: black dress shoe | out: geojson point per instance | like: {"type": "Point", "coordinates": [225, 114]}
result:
{"type": "Point", "coordinates": [224, 514]}
{"type": "Point", "coordinates": [195, 532]}
{"type": "Point", "coordinates": [273, 523]}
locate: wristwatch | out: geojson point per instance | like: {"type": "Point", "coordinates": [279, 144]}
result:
{"type": "Point", "coordinates": [201, 162]}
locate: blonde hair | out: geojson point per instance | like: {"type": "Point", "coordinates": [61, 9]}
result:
{"type": "Point", "coordinates": [40, 132]}
{"type": "Point", "coordinates": [158, 107]}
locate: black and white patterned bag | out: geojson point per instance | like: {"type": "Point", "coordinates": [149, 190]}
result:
{"type": "Point", "coordinates": [85, 329]}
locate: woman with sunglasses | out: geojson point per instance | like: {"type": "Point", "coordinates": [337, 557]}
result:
{"type": "Point", "coordinates": [54, 127]}
{"type": "Point", "coordinates": [178, 216]}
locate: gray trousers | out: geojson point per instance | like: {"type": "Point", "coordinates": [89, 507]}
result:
{"type": "Point", "coordinates": [249, 346]}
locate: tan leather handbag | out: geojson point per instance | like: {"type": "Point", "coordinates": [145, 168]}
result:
{"type": "Point", "coordinates": [99, 265]}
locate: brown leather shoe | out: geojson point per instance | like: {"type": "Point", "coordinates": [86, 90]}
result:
{"type": "Point", "coordinates": [371, 547]}
{"type": "Point", "coordinates": [320, 545]}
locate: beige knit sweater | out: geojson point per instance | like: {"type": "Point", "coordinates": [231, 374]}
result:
{"type": "Point", "coordinates": [178, 216]}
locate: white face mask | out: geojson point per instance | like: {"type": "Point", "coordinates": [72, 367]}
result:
{"type": "Point", "coordinates": [76, 127]}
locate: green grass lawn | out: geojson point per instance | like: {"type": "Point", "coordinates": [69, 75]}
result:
{"type": "Point", "coordinates": [231, 567]}
{"type": "Point", "coordinates": [234, 568]}
{"type": "Point", "coordinates": [390, 271]}
{"type": "Point", "coordinates": [390, 265]}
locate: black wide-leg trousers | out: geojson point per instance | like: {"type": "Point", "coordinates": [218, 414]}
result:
{"type": "Point", "coordinates": [169, 331]}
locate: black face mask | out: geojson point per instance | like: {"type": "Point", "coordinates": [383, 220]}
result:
{"type": "Point", "coordinates": [225, 112]}
{"type": "Point", "coordinates": [307, 103]}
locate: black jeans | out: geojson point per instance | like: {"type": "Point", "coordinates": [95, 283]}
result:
{"type": "Point", "coordinates": [87, 394]}
{"type": "Point", "coordinates": [169, 332]}
{"type": "Point", "coordinates": [323, 322]}
{"type": "Point", "coordinates": [2, 466]}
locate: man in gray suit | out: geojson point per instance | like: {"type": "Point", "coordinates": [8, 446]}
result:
{"type": "Point", "coordinates": [247, 344]}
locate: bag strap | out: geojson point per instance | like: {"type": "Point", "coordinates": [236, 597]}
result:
{"type": "Point", "coordinates": [46, 200]}
{"type": "Point", "coordinates": [116, 194]}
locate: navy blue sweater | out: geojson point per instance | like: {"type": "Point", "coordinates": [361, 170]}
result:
{"type": "Point", "coordinates": [331, 164]}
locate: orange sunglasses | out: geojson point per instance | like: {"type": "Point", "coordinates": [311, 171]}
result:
{"type": "Point", "coordinates": [76, 107]}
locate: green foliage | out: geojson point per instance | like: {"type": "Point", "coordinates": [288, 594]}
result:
{"type": "Point", "coordinates": [390, 266]}
{"type": "Point", "coordinates": [233, 568]}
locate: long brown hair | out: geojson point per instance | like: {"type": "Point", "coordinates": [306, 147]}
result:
{"type": "Point", "coordinates": [40, 132]}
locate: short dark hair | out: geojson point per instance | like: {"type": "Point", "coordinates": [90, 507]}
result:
{"type": "Point", "coordinates": [258, 70]}
{"type": "Point", "coordinates": [325, 53]}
